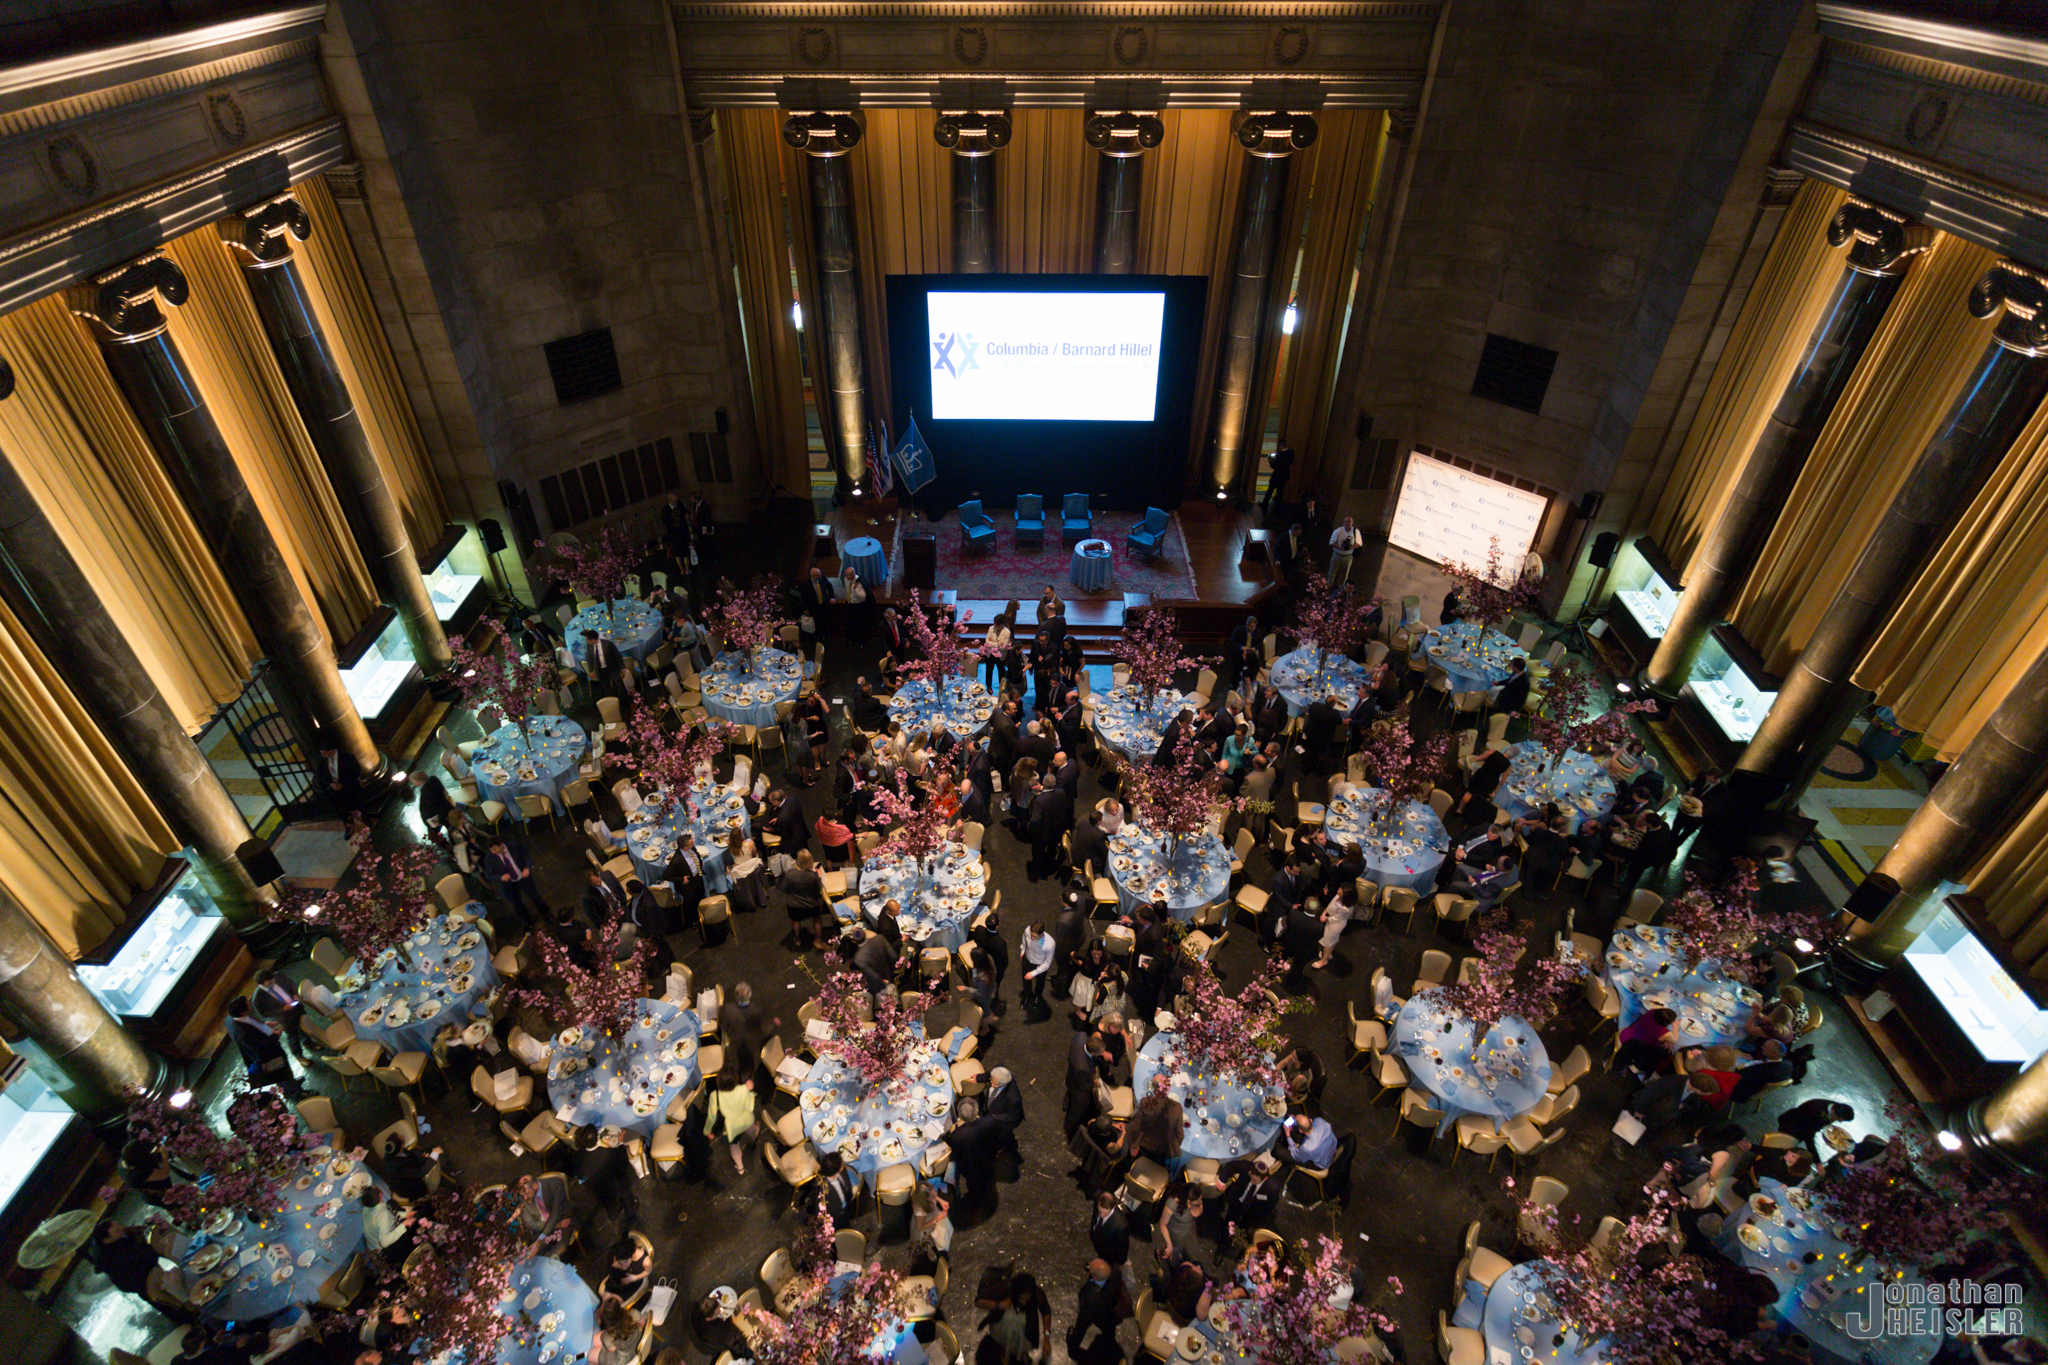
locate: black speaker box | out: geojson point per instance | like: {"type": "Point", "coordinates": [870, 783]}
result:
{"type": "Point", "coordinates": [1873, 897]}
{"type": "Point", "coordinates": [493, 535]}
{"type": "Point", "coordinates": [1604, 546]}
{"type": "Point", "coordinates": [260, 862]}
{"type": "Point", "coordinates": [920, 560]}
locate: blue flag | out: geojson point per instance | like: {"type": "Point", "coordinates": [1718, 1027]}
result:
{"type": "Point", "coordinates": [913, 458]}
{"type": "Point", "coordinates": [878, 464]}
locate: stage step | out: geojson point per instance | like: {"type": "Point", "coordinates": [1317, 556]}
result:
{"type": "Point", "coordinates": [1095, 622]}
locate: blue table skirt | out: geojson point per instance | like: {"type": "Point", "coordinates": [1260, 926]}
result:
{"type": "Point", "coordinates": [1200, 874]}
{"type": "Point", "coordinates": [957, 875]}
{"type": "Point", "coordinates": [1207, 1102]}
{"type": "Point", "coordinates": [1501, 1096]}
{"type": "Point", "coordinates": [564, 1295]}
{"type": "Point", "coordinates": [1090, 572]}
{"type": "Point", "coordinates": [1475, 658]}
{"type": "Point", "coordinates": [254, 1295]}
{"type": "Point", "coordinates": [1409, 859]}
{"type": "Point", "coordinates": [650, 843]}
{"type": "Point", "coordinates": [1578, 784]}
{"type": "Point", "coordinates": [1294, 676]}
{"type": "Point", "coordinates": [865, 556]}
{"type": "Point", "coordinates": [635, 628]}
{"type": "Point", "coordinates": [563, 744]}
{"type": "Point", "coordinates": [634, 1060]}
{"type": "Point", "coordinates": [968, 708]}
{"type": "Point", "coordinates": [430, 978]}
{"type": "Point", "coordinates": [830, 1086]}
{"type": "Point", "coordinates": [1501, 1322]}
{"type": "Point", "coordinates": [1135, 733]}
{"type": "Point", "coordinates": [1711, 1008]}
{"type": "Point", "coordinates": [775, 678]}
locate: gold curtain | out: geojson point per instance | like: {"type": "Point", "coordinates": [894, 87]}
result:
{"type": "Point", "coordinates": [1784, 306]}
{"type": "Point", "coordinates": [1337, 176]}
{"type": "Point", "coordinates": [223, 343]}
{"type": "Point", "coordinates": [334, 283]}
{"type": "Point", "coordinates": [1045, 194]}
{"type": "Point", "coordinates": [1977, 617]}
{"type": "Point", "coordinates": [1916, 364]}
{"type": "Point", "coordinates": [2012, 879]}
{"type": "Point", "coordinates": [750, 144]}
{"type": "Point", "coordinates": [70, 435]}
{"type": "Point", "coordinates": [78, 836]}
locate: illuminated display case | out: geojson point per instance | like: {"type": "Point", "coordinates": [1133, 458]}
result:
{"type": "Point", "coordinates": [376, 674]}
{"type": "Point", "coordinates": [1647, 590]}
{"type": "Point", "coordinates": [456, 575]}
{"type": "Point", "coordinates": [32, 1121]}
{"type": "Point", "coordinates": [1727, 693]}
{"type": "Point", "coordinates": [156, 957]}
{"type": "Point", "coordinates": [1975, 992]}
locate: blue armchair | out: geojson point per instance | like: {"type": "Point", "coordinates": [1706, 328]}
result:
{"type": "Point", "coordinates": [975, 527]}
{"type": "Point", "coordinates": [1075, 522]}
{"type": "Point", "coordinates": [1030, 519]}
{"type": "Point", "coordinates": [1148, 537]}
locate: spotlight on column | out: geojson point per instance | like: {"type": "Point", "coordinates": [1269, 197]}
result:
{"type": "Point", "coordinates": [1289, 320]}
{"type": "Point", "coordinates": [1949, 1141]}
{"type": "Point", "coordinates": [1098, 132]}
{"type": "Point", "coordinates": [179, 1098]}
{"type": "Point", "coordinates": [1222, 494]}
{"type": "Point", "coordinates": [796, 315]}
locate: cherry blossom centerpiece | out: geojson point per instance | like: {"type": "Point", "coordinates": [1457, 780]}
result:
{"type": "Point", "coordinates": [500, 678]}
{"type": "Point", "coordinates": [1492, 594]}
{"type": "Point", "coordinates": [1150, 649]}
{"type": "Point", "coordinates": [1175, 801]}
{"type": "Point", "coordinates": [858, 1323]}
{"type": "Point", "coordinates": [457, 1285]}
{"type": "Point", "coordinates": [878, 1052]}
{"type": "Point", "coordinates": [604, 995]}
{"type": "Point", "coordinates": [670, 763]}
{"type": "Point", "coordinates": [382, 907]}
{"type": "Point", "coordinates": [1499, 987]}
{"type": "Point", "coordinates": [941, 653]}
{"type": "Point", "coordinates": [244, 1171]}
{"type": "Point", "coordinates": [1720, 921]}
{"type": "Point", "coordinates": [914, 825]}
{"type": "Point", "coordinates": [601, 564]}
{"type": "Point", "coordinates": [745, 620]}
{"type": "Point", "coordinates": [1568, 722]}
{"type": "Point", "coordinates": [1232, 1038]}
{"type": "Point", "coordinates": [1398, 766]}
{"type": "Point", "coordinates": [1299, 1303]}
{"type": "Point", "coordinates": [1329, 618]}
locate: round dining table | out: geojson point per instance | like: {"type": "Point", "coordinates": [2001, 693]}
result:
{"type": "Point", "coordinates": [1196, 877]}
{"type": "Point", "coordinates": [865, 556]}
{"type": "Point", "coordinates": [1405, 850]}
{"type": "Point", "coordinates": [1577, 783]}
{"type": "Point", "coordinates": [966, 707]}
{"type": "Point", "coordinates": [1223, 1120]}
{"type": "Point", "coordinates": [508, 765]}
{"type": "Point", "coordinates": [1834, 1300]}
{"type": "Point", "coordinates": [1520, 1322]}
{"type": "Point", "coordinates": [706, 818]}
{"type": "Point", "coordinates": [1646, 974]}
{"type": "Point", "coordinates": [1498, 1076]}
{"type": "Point", "coordinates": [628, 1082]}
{"type": "Point", "coordinates": [1133, 730]}
{"type": "Point", "coordinates": [938, 902]}
{"type": "Point", "coordinates": [1475, 657]}
{"type": "Point", "coordinates": [899, 1341]}
{"type": "Point", "coordinates": [868, 1126]}
{"type": "Point", "coordinates": [1090, 570]}
{"type": "Point", "coordinates": [445, 975]}
{"type": "Point", "coordinates": [1306, 676]}
{"type": "Point", "coordinates": [632, 625]}
{"type": "Point", "coordinates": [747, 694]}
{"type": "Point", "coordinates": [562, 1311]}
{"type": "Point", "coordinates": [240, 1270]}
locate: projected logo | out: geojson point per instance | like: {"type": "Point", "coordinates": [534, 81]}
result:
{"type": "Point", "coordinates": [944, 346]}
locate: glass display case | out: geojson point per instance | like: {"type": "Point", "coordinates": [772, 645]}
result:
{"type": "Point", "coordinates": [456, 575]}
{"type": "Point", "coordinates": [140, 974]}
{"type": "Point", "coordinates": [1976, 992]}
{"type": "Point", "coordinates": [1646, 586]}
{"type": "Point", "coordinates": [32, 1119]}
{"type": "Point", "coordinates": [382, 668]}
{"type": "Point", "coordinates": [1725, 690]}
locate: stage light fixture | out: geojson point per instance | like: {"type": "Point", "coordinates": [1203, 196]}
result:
{"type": "Point", "coordinates": [179, 1098]}
{"type": "Point", "coordinates": [1803, 945]}
{"type": "Point", "coordinates": [1289, 320]}
{"type": "Point", "coordinates": [1949, 1141]}
{"type": "Point", "coordinates": [796, 315]}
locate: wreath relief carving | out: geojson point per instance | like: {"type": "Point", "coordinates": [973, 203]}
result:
{"type": "Point", "coordinates": [1130, 44]}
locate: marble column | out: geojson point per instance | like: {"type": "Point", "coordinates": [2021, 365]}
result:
{"type": "Point", "coordinates": [1268, 140]}
{"type": "Point", "coordinates": [69, 1037]}
{"type": "Point", "coordinates": [838, 366]}
{"type": "Point", "coordinates": [125, 309]}
{"type": "Point", "coordinates": [2011, 1123]}
{"type": "Point", "coordinates": [973, 137]}
{"type": "Point", "coordinates": [261, 242]}
{"type": "Point", "coordinates": [72, 626]}
{"type": "Point", "coordinates": [1990, 781]}
{"type": "Point", "coordinates": [1995, 403]}
{"type": "Point", "coordinates": [1122, 139]}
{"type": "Point", "coordinates": [1881, 245]}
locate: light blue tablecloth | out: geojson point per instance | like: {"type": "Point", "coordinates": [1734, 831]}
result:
{"type": "Point", "coordinates": [775, 678]}
{"type": "Point", "coordinates": [1294, 675]}
{"type": "Point", "coordinates": [652, 843]}
{"type": "Point", "coordinates": [1475, 657]}
{"type": "Point", "coordinates": [1510, 1304]}
{"type": "Point", "coordinates": [1578, 784]}
{"type": "Point", "coordinates": [635, 628]}
{"type": "Point", "coordinates": [261, 1250]}
{"type": "Point", "coordinates": [564, 1297]}
{"type": "Point", "coordinates": [1803, 1288]}
{"type": "Point", "coordinates": [944, 908]}
{"type": "Point", "coordinates": [1135, 733]}
{"type": "Point", "coordinates": [593, 1079]}
{"type": "Point", "coordinates": [1410, 858]}
{"type": "Point", "coordinates": [1208, 1103]}
{"type": "Point", "coordinates": [871, 1118]}
{"type": "Point", "coordinates": [865, 556]}
{"type": "Point", "coordinates": [1469, 1076]}
{"type": "Point", "coordinates": [1711, 1008]}
{"type": "Point", "coordinates": [968, 707]}
{"type": "Point", "coordinates": [434, 981]}
{"type": "Point", "coordinates": [1224, 1341]}
{"type": "Point", "coordinates": [905, 1349]}
{"type": "Point", "coordinates": [1091, 567]}
{"type": "Point", "coordinates": [555, 747]}
{"type": "Point", "coordinates": [1199, 876]}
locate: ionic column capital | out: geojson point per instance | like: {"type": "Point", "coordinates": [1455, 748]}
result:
{"type": "Point", "coordinates": [822, 132]}
{"type": "Point", "coordinates": [262, 236]}
{"type": "Point", "coordinates": [2018, 296]}
{"type": "Point", "coordinates": [127, 305]}
{"type": "Point", "coordinates": [1882, 241]}
{"type": "Point", "coordinates": [1276, 133]}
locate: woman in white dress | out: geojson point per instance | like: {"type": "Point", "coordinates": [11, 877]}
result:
{"type": "Point", "coordinates": [997, 640]}
{"type": "Point", "coordinates": [1343, 905]}
{"type": "Point", "coordinates": [1112, 815]}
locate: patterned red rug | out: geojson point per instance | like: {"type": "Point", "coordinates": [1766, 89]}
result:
{"type": "Point", "coordinates": [1010, 572]}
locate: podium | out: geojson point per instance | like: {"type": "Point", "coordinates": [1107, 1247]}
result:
{"type": "Point", "coordinates": [920, 560]}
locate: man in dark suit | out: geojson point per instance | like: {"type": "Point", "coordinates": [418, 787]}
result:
{"type": "Point", "coordinates": [1268, 713]}
{"type": "Point", "coordinates": [435, 805]}
{"type": "Point", "coordinates": [895, 639]}
{"type": "Point", "coordinates": [602, 1173]}
{"type": "Point", "coordinates": [988, 941]}
{"type": "Point", "coordinates": [818, 590]}
{"type": "Point", "coordinates": [1453, 604]}
{"type": "Point", "coordinates": [868, 711]}
{"type": "Point", "coordinates": [1548, 850]}
{"type": "Point", "coordinates": [1320, 727]}
{"type": "Point", "coordinates": [875, 960]}
{"type": "Point", "coordinates": [685, 876]}
{"type": "Point", "coordinates": [1514, 693]}
{"type": "Point", "coordinates": [1066, 773]}
{"type": "Point", "coordinates": [1072, 723]}
{"type": "Point", "coordinates": [263, 1053]}
{"type": "Point", "coordinates": [838, 1190]}
{"type": "Point", "coordinates": [1254, 1193]}
{"type": "Point", "coordinates": [974, 802]}
{"type": "Point", "coordinates": [1036, 744]}
{"type": "Point", "coordinates": [603, 662]}
{"type": "Point", "coordinates": [1003, 736]}
{"type": "Point", "coordinates": [344, 777]}
{"type": "Point", "coordinates": [1051, 814]}
{"type": "Point", "coordinates": [1361, 716]}
{"type": "Point", "coordinates": [1102, 1302]}
{"type": "Point", "coordinates": [654, 921]}
{"type": "Point", "coordinates": [1091, 845]}
{"type": "Point", "coordinates": [1069, 937]}
{"type": "Point", "coordinates": [788, 822]}
{"type": "Point", "coordinates": [1288, 550]}
{"type": "Point", "coordinates": [746, 1024]}
{"type": "Point", "coordinates": [1005, 1104]}
{"type": "Point", "coordinates": [511, 870]}
{"type": "Point", "coordinates": [603, 897]}
{"type": "Point", "coordinates": [1176, 734]}
{"type": "Point", "coordinates": [1084, 1051]}
{"type": "Point", "coordinates": [1108, 1232]}
{"type": "Point", "coordinates": [1485, 884]}
{"type": "Point", "coordinates": [974, 1141]}
{"type": "Point", "coordinates": [1476, 847]}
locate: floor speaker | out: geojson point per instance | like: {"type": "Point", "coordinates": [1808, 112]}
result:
{"type": "Point", "coordinates": [920, 560]}
{"type": "Point", "coordinates": [1872, 897]}
{"type": "Point", "coordinates": [260, 862]}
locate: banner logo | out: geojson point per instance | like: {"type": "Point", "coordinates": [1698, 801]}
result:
{"type": "Point", "coordinates": [942, 358]}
